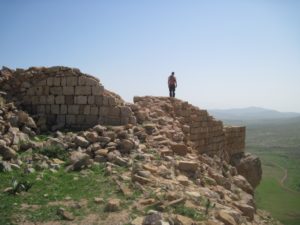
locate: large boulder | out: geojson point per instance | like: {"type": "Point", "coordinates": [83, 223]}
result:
{"type": "Point", "coordinates": [249, 166]}
{"type": "Point", "coordinates": [6, 152]}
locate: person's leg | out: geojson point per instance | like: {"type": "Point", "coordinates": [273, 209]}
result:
{"type": "Point", "coordinates": [173, 91]}
{"type": "Point", "coordinates": [170, 91]}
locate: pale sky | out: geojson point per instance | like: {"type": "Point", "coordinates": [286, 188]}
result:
{"type": "Point", "coordinates": [225, 54]}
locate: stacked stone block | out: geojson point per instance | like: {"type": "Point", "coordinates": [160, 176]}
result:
{"type": "Point", "coordinates": [65, 97]}
{"type": "Point", "coordinates": [235, 139]}
{"type": "Point", "coordinates": [205, 133]}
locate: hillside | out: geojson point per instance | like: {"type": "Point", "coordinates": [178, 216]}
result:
{"type": "Point", "coordinates": [277, 143]}
{"type": "Point", "coordinates": [251, 113]}
{"type": "Point", "coordinates": [73, 152]}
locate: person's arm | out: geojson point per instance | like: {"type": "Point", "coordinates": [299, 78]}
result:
{"type": "Point", "coordinates": [175, 82]}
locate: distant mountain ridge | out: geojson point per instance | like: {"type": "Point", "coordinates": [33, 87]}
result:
{"type": "Point", "coordinates": [251, 113]}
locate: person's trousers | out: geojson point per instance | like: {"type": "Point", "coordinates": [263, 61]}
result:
{"type": "Point", "coordinates": [172, 90]}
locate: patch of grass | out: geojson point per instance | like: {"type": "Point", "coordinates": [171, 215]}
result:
{"type": "Point", "coordinates": [40, 138]}
{"type": "Point", "coordinates": [188, 212]}
{"type": "Point", "coordinates": [53, 151]}
{"type": "Point", "coordinates": [53, 187]}
{"type": "Point", "coordinates": [283, 204]}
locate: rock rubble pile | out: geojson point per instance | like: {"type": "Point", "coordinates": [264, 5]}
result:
{"type": "Point", "coordinates": [177, 155]}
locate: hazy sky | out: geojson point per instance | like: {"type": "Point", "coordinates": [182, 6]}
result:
{"type": "Point", "coordinates": [225, 54]}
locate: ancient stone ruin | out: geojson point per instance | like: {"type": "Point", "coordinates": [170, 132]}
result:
{"type": "Point", "coordinates": [164, 145]}
{"type": "Point", "coordinates": [60, 97]}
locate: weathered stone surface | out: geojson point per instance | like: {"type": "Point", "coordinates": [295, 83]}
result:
{"type": "Point", "coordinates": [153, 218]}
{"type": "Point", "coordinates": [113, 205]}
{"type": "Point", "coordinates": [187, 166]}
{"type": "Point", "coordinates": [242, 183]}
{"type": "Point", "coordinates": [183, 180]}
{"type": "Point", "coordinates": [64, 214]}
{"type": "Point", "coordinates": [81, 141]}
{"type": "Point", "coordinates": [249, 166]}
{"type": "Point", "coordinates": [79, 160]}
{"type": "Point", "coordinates": [67, 90]}
{"type": "Point", "coordinates": [182, 220]}
{"type": "Point", "coordinates": [226, 218]}
{"type": "Point", "coordinates": [126, 145]}
{"type": "Point", "coordinates": [180, 149]}
{"type": "Point", "coordinates": [83, 90]}
{"type": "Point", "coordinates": [247, 210]}
{"type": "Point", "coordinates": [7, 153]}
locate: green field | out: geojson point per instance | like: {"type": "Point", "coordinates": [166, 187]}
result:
{"type": "Point", "coordinates": [277, 143]}
{"type": "Point", "coordinates": [73, 191]}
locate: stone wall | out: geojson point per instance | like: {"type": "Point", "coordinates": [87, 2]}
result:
{"type": "Point", "coordinates": [62, 97]}
{"type": "Point", "coordinates": [202, 132]}
{"type": "Point", "coordinates": [205, 131]}
{"type": "Point", "coordinates": [235, 139]}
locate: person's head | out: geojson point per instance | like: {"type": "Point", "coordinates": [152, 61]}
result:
{"type": "Point", "coordinates": [172, 74]}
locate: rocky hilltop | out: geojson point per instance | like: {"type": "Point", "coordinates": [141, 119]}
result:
{"type": "Point", "coordinates": [171, 151]}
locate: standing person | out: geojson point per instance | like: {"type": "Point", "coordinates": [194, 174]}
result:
{"type": "Point", "coordinates": [172, 83]}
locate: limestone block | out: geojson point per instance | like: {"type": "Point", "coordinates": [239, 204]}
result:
{"type": "Point", "coordinates": [73, 109]}
{"type": "Point", "coordinates": [63, 81]}
{"type": "Point", "coordinates": [105, 101]}
{"type": "Point", "coordinates": [81, 80]}
{"type": "Point", "coordinates": [33, 109]}
{"type": "Point", "coordinates": [83, 90]}
{"type": "Point", "coordinates": [81, 100]}
{"type": "Point", "coordinates": [124, 120]}
{"type": "Point", "coordinates": [63, 109]}
{"type": "Point", "coordinates": [50, 81]}
{"type": "Point", "coordinates": [99, 100]}
{"type": "Point", "coordinates": [35, 100]}
{"type": "Point", "coordinates": [97, 90]}
{"type": "Point", "coordinates": [31, 91]}
{"type": "Point", "coordinates": [103, 111]}
{"type": "Point", "coordinates": [91, 100]}
{"type": "Point", "coordinates": [132, 120]}
{"type": "Point", "coordinates": [56, 81]}
{"type": "Point", "coordinates": [60, 99]}
{"type": "Point", "coordinates": [56, 91]}
{"type": "Point", "coordinates": [27, 100]}
{"type": "Point", "coordinates": [50, 99]}
{"type": "Point", "coordinates": [87, 110]}
{"type": "Point", "coordinates": [55, 109]}
{"type": "Point", "coordinates": [71, 81]}
{"type": "Point", "coordinates": [94, 110]}
{"type": "Point", "coordinates": [112, 101]}
{"type": "Point", "coordinates": [42, 82]}
{"type": "Point", "coordinates": [48, 109]}
{"type": "Point", "coordinates": [113, 121]}
{"type": "Point", "coordinates": [61, 119]}
{"type": "Point", "coordinates": [90, 81]}
{"type": "Point", "coordinates": [43, 99]}
{"type": "Point", "coordinates": [46, 90]}
{"type": "Point", "coordinates": [38, 90]}
{"type": "Point", "coordinates": [51, 119]}
{"type": "Point", "coordinates": [41, 109]}
{"type": "Point", "coordinates": [67, 90]}
{"type": "Point", "coordinates": [125, 111]}
{"type": "Point", "coordinates": [69, 99]}
{"type": "Point", "coordinates": [91, 119]}
{"type": "Point", "coordinates": [80, 119]}
{"type": "Point", "coordinates": [87, 81]}
{"type": "Point", "coordinates": [70, 119]}
{"type": "Point", "coordinates": [115, 112]}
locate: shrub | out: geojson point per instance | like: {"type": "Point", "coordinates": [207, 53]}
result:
{"type": "Point", "coordinates": [53, 151]}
